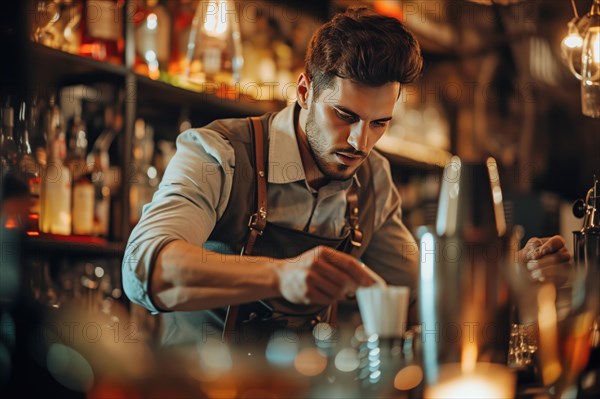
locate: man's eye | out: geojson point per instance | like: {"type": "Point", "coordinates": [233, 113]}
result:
{"type": "Point", "coordinates": [344, 117]}
{"type": "Point", "coordinates": [380, 124]}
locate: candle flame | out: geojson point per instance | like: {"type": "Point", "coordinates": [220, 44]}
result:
{"type": "Point", "coordinates": [547, 320]}
{"type": "Point", "coordinates": [469, 357]}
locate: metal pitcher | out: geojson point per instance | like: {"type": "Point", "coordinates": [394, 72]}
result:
{"type": "Point", "coordinates": [464, 299]}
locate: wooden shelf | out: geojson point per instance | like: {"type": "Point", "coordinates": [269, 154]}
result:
{"type": "Point", "coordinates": [159, 94]}
{"type": "Point", "coordinates": [57, 66]}
{"type": "Point", "coordinates": [73, 247]}
{"type": "Point", "coordinates": [63, 68]}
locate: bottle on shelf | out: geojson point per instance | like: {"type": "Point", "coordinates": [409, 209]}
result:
{"type": "Point", "coordinates": [83, 206]}
{"type": "Point", "coordinates": [13, 190]}
{"type": "Point", "coordinates": [83, 191]}
{"type": "Point", "coordinates": [152, 38]}
{"type": "Point", "coordinates": [183, 14]}
{"type": "Point", "coordinates": [9, 154]}
{"type": "Point", "coordinates": [78, 143]}
{"type": "Point", "coordinates": [102, 35]}
{"type": "Point", "coordinates": [29, 168]}
{"type": "Point", "coordinates": [56, 178]}
{"type": "Point", "coordinates": [215, 45]}
{"type": "Point", "coordinates": [145, 176]}
{"type": "Point", "coordinates": [57, 24]}
{"type": "Point", "coordinates": [99, 159]}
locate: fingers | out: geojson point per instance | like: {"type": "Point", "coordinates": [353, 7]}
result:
{"type": "Point", "coordinates": [321, 291]}
{"type": "Point", "coordinates": [549, 245]}
{"type": "Point", "coordinates": [560, 256]}
{"type": "Point", "coordinates": [558, 274]}
{"type": "Point", "coordinates": [321, 275]}
{"type": "Point", "coordinates": [346, 264]}
{"type": "Point", "coordinates": [555, 267]}
{"type": "Point", "coordinates": [336, 277]}
{"type": "Point", "coordinates": [547, 259]}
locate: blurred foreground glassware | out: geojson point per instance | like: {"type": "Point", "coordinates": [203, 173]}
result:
{"type": "Point", "coordinates": [215, 46]}
{"type": "Point", "coordinates": [463, 291]}
{"type": "Point", "coordinates": [566, 316]}
{"type": "Point", "coordinates": [586, 296]}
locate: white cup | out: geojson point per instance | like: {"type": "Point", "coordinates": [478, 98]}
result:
{"type": "Point", "coordinates": [384, 310]}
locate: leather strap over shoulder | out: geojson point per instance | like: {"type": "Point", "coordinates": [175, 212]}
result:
{"type": "Point", "coordinates": [258, 220]}
{"type": "Point", "coordinates": [352, 211]}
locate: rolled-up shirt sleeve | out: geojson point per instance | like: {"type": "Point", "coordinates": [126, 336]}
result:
{"type": "Point", "coordinates": [192, 196]}
{"type": "Point", "coordinates": [392, 252]}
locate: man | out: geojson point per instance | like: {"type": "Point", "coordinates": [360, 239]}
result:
{"type": "Point", "coordinates": [329, 198]}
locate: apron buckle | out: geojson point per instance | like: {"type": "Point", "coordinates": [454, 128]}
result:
{"type": "Point", "coordinates": [356, 237]}
{"type": "Point", "coordinates": [253, 223]}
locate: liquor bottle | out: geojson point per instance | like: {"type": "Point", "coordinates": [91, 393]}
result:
{"type": "Point", "coordinates": [83, 190]}
{"type": "Point", "coordinates": [56, 24]}
{"type": "Point", "coordinates": [215, 46]}
{"type": "Point", "coordinates": [100, 160]}
{"type": "Point", "coordinates": [183, 15]}
{"type": "Point", "coordinates": [28, 165]}
{"type": "Point", "coordinates": [102, 30]}
{"type": "Point", "coordinates": [152, 38]}
{"type": "Point", "coordinates": [83, 206]}
{"type": "Point", "coordinates": [78, 143]}
{"type": "Point", "coordinates": [56, 178]}
{"type": "Point", "coordinates": [8, 147]}
{"type": "Point", "coordinates": [9, 154]}
{"type": "Point", "coordinates": [13, 191]}
{"type": "Point", "coordinates": [145, 175]}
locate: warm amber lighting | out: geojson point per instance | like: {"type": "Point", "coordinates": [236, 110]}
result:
{"type": "Point", "coordinates": [408, 378]}
{"type": "Point", "coordinates": [310, 362]}
{"type": "Point", "coordinates": [469, 357]}
{"type": "Point", "coordinates": [572, 41]}
{"type": "Point", "coordinates": [487, 380]}
{"type": "Point", "coordinates": [547, 320]}
{"type": "Point", "coordinates": [11, 223]}
{"type": "Point", "coordinates": [215, 24]}
{"type": "Point", "coordinates": [583, 40]}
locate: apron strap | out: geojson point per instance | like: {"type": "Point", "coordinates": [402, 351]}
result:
{"type": "Point", "coordinates": [258, 220]}
{"type": "Point", "coordinates": [356, 236]}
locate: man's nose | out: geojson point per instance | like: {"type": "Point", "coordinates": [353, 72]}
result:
{"type": "Point", "coordinates": [358, 137]}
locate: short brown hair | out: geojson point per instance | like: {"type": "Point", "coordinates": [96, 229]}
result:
{"type": "Point", "coordinates": [364, 47]}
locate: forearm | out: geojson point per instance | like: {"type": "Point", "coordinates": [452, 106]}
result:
{"type": "Point", "coordinates": [186, 277]}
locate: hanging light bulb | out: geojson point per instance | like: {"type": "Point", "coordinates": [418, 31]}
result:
{"type": "Point", "coordinates": [583, 42]}
{"type": "Point", "coordinates": [573, 40]}
{"type": "Point", "coordinates": [215, 47]}
{"type": "Point", "coordinates": [590, 71]}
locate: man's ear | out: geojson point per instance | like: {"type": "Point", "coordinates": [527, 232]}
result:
{"type": "Point", "coordinates": [303, 90]}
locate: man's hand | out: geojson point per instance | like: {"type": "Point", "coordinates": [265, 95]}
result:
{"type": "Point", "coordinates": [547, 259]}
{"type": "Point", "coordinates": [320, 275]}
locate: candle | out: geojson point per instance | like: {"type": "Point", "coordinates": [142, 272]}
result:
{"type": "Point", "coordinates": [485, 380]}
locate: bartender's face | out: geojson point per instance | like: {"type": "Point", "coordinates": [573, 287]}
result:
{"type": "Point", "coordinates": [345, 122]}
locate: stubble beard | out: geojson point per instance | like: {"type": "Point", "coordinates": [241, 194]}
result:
{"type": "Point", "coordinates": [319, 152]}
